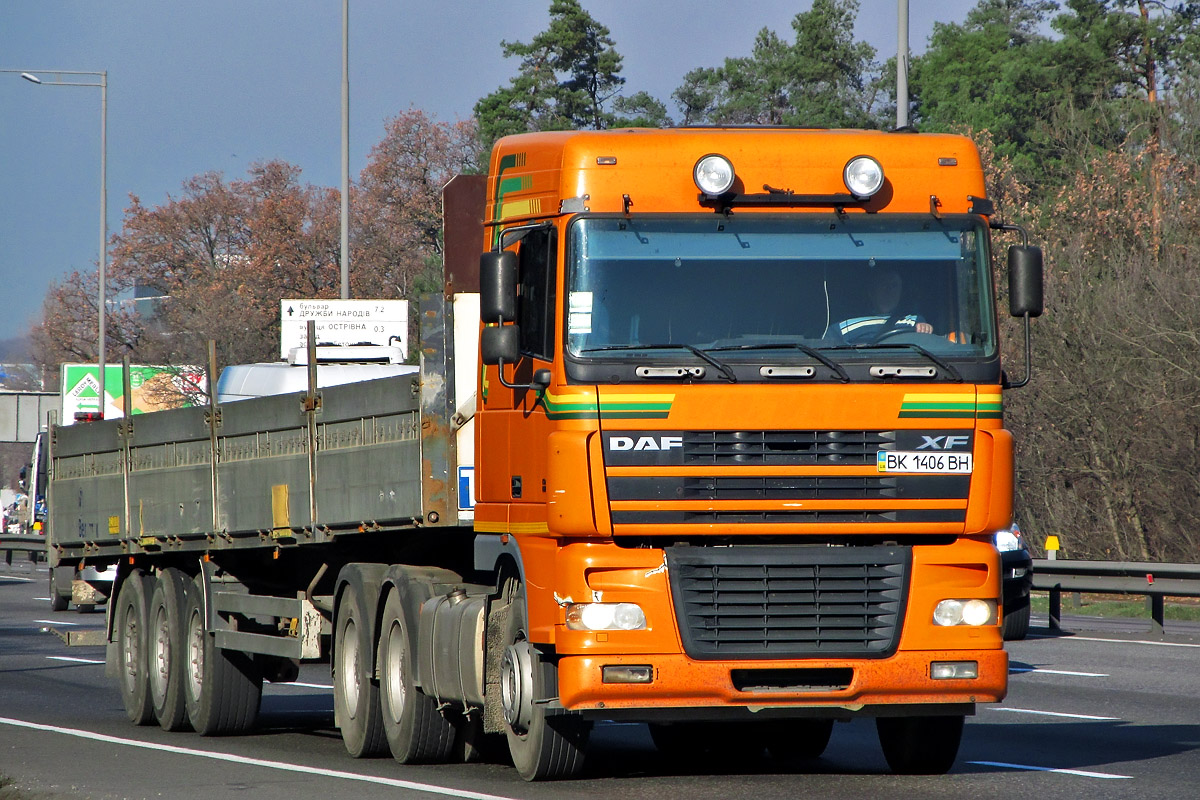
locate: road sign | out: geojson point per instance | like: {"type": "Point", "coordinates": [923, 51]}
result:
{"type": "Point", "coordinates": [382, 322]}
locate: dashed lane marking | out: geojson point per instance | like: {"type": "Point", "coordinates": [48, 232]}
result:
{"type": "Point", "coordinates": [1080, 772]}
{"type": "Point", "coordinates": [74, 660]}
{"type": "Point", "coordinates": [253, 762]}
{"type": "Point", "coordinates": [1055, 714]}
{"type": "Point", "coordinates": [1027, 670]}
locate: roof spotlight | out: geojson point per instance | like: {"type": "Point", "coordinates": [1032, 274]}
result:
{"type": "Point", "coordinates": [863, 176]}
{"type": "Point", "coordinates": [713, 174]}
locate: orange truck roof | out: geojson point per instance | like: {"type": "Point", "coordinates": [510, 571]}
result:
{"type": "Point", "coordinates": [531, 175]}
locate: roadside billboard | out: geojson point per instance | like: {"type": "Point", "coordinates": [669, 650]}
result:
{"type": "Point", "coordinates": [152, 388]}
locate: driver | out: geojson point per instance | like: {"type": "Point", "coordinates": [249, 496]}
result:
{"type": "Point", "coordinates": [885, 293]}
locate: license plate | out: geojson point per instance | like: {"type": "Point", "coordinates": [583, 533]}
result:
{"type": "Point", "coordinates": [923, 462]}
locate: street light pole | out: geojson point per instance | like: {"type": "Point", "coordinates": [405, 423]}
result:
{"type": "Point", "coordinates": [102, 84]}
{"type": "Point", "coordinates": [345, 294]}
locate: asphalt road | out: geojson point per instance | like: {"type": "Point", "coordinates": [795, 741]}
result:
{"type": "Point", "coordinates": [1092, 714]}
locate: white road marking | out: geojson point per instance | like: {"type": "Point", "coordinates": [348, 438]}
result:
{"type": "Point", "coordinates": [305, 685]}
{"type": "Point", "coordinates": [1024, 670]}
{"type": "Point", "coordinates": [1055, 714]}
{"type": "Point", "coordinates": [1080, 772]}
{"type": "Point", "coordinates": [7, 577]}
{"type": "Point", "coordinates": [43, 599]}
{"type": "Point", "coordinates": [254, 762]}
{"type": "Point", "coordinates": [1115, 641]}
{"type": "Point", "coordinates": [55, 622]}
{"type": "Point", "coordinates": [76, 660]}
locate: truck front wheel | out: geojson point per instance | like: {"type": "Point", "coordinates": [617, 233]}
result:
{"type": "Point", "coordinates": [920, 745]}
{"type": "Point", "coordinates": [544, 745]}
{"type": "Point", "coordinates": [416, 731]}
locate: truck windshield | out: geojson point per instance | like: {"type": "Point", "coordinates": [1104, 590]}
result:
{"type": "Point", "coordinates": [851, 287]}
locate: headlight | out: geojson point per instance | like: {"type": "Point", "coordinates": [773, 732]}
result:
{"type": "Point", "coordinates": [863, 176]}
{"type": "Point", "coordinates": [713, 174]}
{"type": "Point", "coordinates": [974, 612]}
{"type": "Point", "coordinates": [1007, 541]}
{"type": "Point", "coordinates": [605, 617]}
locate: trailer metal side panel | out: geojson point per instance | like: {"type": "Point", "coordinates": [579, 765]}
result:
{"type": "Point", "coordinates": [367, 439]}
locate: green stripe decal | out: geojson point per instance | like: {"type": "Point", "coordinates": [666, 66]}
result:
{"type": "Point", "coordinates": [611, 409]}
{"type": "Point", "coordinates": [956, 406]}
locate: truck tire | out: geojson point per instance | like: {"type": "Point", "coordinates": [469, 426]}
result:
{"type": "Point", "coordinates": [544, 745]}
{"type": "Point", "coordinates": [1016, 624]}
{"type": "Point", "coordinates": [799, 739]}
{"type": "Point", "coordinates": [355, 690]}
{"type": "Point", "coordinates": [168, 649]}
{"type": "Point", "coordinates": [416, 731]}
{"type": "Point", "coordinates": [132, 631]}
{"type": "Point", "coordinates": [920, 745]}
{"type": "Point", "coordinates": [223, 687]}
{"type": "Point", "coordinates": [57, 601]}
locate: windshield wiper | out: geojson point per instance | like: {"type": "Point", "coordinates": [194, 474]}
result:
{"type": "Point", "coordinates": [696, 351]}
{"type": "Point", "coordinates": [803, 348]}
{"type": "Point", "coordinates": [946, 367]}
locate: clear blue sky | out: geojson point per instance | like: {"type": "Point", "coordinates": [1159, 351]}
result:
{"type": "Point", "coordinates": [220, 84]}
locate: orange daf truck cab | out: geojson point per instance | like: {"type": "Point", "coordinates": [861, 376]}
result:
{"type": "Point", "coordinates": [739, 437]}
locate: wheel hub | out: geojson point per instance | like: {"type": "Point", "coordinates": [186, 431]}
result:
{"type": "Point", "coordinates": [516, 685]}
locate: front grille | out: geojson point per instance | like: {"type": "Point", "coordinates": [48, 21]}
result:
{"type": "Point", "coordinates": [788, 601]}
{"type": "Point", "coordinates": [785, 448]}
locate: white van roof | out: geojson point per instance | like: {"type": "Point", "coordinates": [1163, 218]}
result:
{"type": "Point", "coordinates": [244, 381]}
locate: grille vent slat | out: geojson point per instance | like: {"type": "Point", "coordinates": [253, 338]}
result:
{"type": "Point", "coordinates": [788, 602]}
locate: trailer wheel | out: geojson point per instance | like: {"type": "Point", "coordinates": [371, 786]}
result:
{"type": "Point", "coordinates": [544, 745]}
{"type": "Point", "coordinates": [920, 745]}
{"type": "Point", "coordinates": [132, 628]}
{"type": "Point", "coordinates": [416, 731]}
{"type": "Point", "coordinates": [355, 690]}
{"type": "Point", "coordinates": [167, 650]}
{"type": "Point", "coordinates": [223, 687]}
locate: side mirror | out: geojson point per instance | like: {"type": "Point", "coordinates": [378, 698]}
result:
{"type": "Point", "coordinates": [500, 344]}
{"type": "Point", "coordinates": [1025, 281]}
{"type": "Point", "coordinates": [498, 286]}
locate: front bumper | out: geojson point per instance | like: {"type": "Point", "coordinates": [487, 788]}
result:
{"type": "Point", "coordinates": [875, 687]}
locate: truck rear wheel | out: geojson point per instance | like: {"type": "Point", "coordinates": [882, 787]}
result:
{"type": "Point", "coordinates": [920, 745]}
{"type": "Point", "coordinates": [132, 628]}
{"type": "Point", "coordinates": [543, 745]}
{"type": "Point", "coordinates": [416, 731]}
{"type": "Point", "coordinates": [167, 648]}
{"type": "Point", "coordinates": [223, 687]}
{"type": "Point", "coordinates": [355, 690]}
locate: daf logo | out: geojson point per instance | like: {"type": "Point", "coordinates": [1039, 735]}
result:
{"type": "Point", "coordinates": [943, 442]}
{"type": "Point", "coordinates": [645, 443]}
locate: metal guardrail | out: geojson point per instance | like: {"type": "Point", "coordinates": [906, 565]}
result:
{"type": "Point", "coordinates": [1154, 580]}
{"type": "Point", "coordinates": [33, 544]}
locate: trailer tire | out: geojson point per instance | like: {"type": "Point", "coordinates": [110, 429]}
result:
{"type": "Point", "coordinates": [132, 631]}
{"type": "Point", "coordinates": [223, 687]}
{"type": "Point", "coordinates": [355, 690]}
{"type": "Point", "coordinates": [417, 732]}
{"type": "Point", "coordinates": [167, 650]}
{"type": "Point", "coordinates": [920, 745]}
{"type": "Point", "coordinates": [544, 745]}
